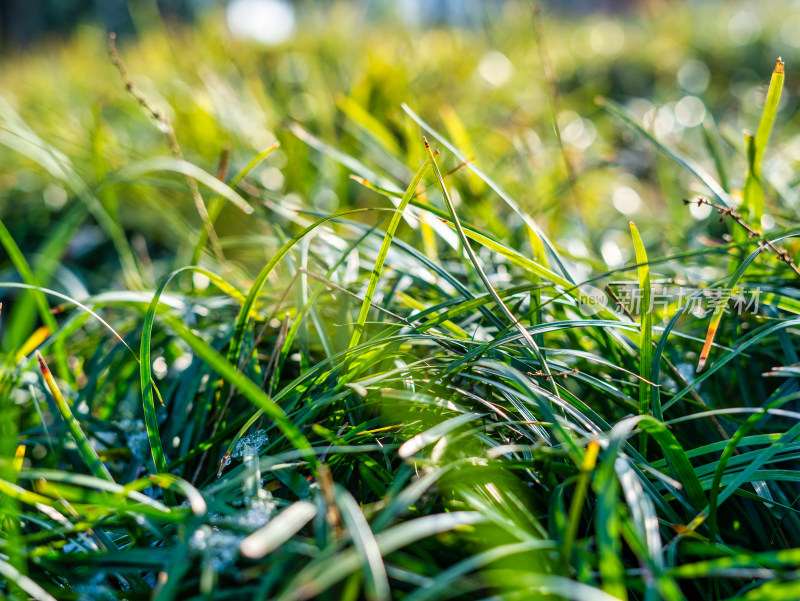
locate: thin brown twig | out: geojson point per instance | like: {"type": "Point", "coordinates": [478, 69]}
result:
{"type": "Point", "coordinates": [560, 374]}
{"type": "Point", "coordinates": [781, 253]}
{"type": "Point", "coordinates": [165, 125]}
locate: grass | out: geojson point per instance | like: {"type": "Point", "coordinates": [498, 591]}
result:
{"type": "Point", "coordinates": [395, 351]}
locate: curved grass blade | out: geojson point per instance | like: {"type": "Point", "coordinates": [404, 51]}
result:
{"type": "Point", "coordinates": [18, 136]}
{"type": "Point", "coordinates": [218, 202]}
{"type": "Point", "coordinates": [217, 362]}
{"type": "Point", "coordinates": [722, 302]}
{"type": "Point", "coordinates": [25, 272]}
{"type": "Point", "coordinates": [22, 315]}
{"type": "Point", "coordinates": [12, 574]}
{"type": "Point", "coordinates": [727, 453]}
{"type": "Point", "coordinates": [320, 575]}
{"type": "Point", "coordinates": [243, 318]}
{"type": "Point", "coordinates": [278, 530]}
{"type": "Point", "coordinates": [247, 387]}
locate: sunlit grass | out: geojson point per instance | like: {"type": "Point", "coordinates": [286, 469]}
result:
{"type": "Point", "coordinates": [410, 344]}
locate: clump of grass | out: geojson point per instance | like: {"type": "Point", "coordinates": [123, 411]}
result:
{"type": "Point", "coordinates": [407, 396]}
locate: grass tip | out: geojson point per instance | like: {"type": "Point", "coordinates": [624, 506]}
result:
{"type": "Point", "coordinates": [42, 365]}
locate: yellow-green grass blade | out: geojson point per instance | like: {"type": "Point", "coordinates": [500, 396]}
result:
{"type": "Point", "coordinates": [384, 250]}
{"type": "Point", "coordinates": [85, 449]}
{"type": "Point", "coordinates": [134, 170]}
{"type": "Point", "coordinates": [22, 314]}
{"type": "Point", "coordinates": [372, 126]}
{"type": "Point", "coordinates": [770, 110]}
{"type": "Point", "coordinates": [19, 137]}
{"type": "Point", "coordinates": [646, 325]}
{"type": "Point", "coordinates": [711, 139]}
{"type": "Point", "coordinates": [607, 523]}
{"type": "Point", "coordinates": [567, 287]}
{"type": "Point", "coordinates": [578, 499]}
{"type": "Point", "coordinates": [753, 193]}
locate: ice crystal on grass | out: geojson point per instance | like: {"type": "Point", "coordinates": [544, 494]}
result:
{"type": "Point", "coordinates": [94, 590]}
{"type": "Point", "coordinates": [219, 547]}
{"type": "Point", "coordinates": [253, 514]}
{"type": "Point", "coordinates": [256, 440]}
{"type": "Point", "coordinates": [136, 438]}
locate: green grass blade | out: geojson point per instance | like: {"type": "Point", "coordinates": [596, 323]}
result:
{"type": "Point", "coordinates": [770, 110]}
{"type": "Point", "coordinates": [242, 320]}
{"type": "Point", "coordinates": [321, 575]}
{"type": "Point", "coordinates": [134, 170]}
{"type": "Point", "coordinates": [217, 203]}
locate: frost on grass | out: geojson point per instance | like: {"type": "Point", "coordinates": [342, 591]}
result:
{"type": "Point", "coordinates": [136, 438]}
{"type": "Point", "coordinates": [253, 514]}
{"type": "Point", "coordinates": [219, 547]}
{"type": "Point", "coordinates": [256, 440]}
{"type": "Point", "coordinates": [95, 589]}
